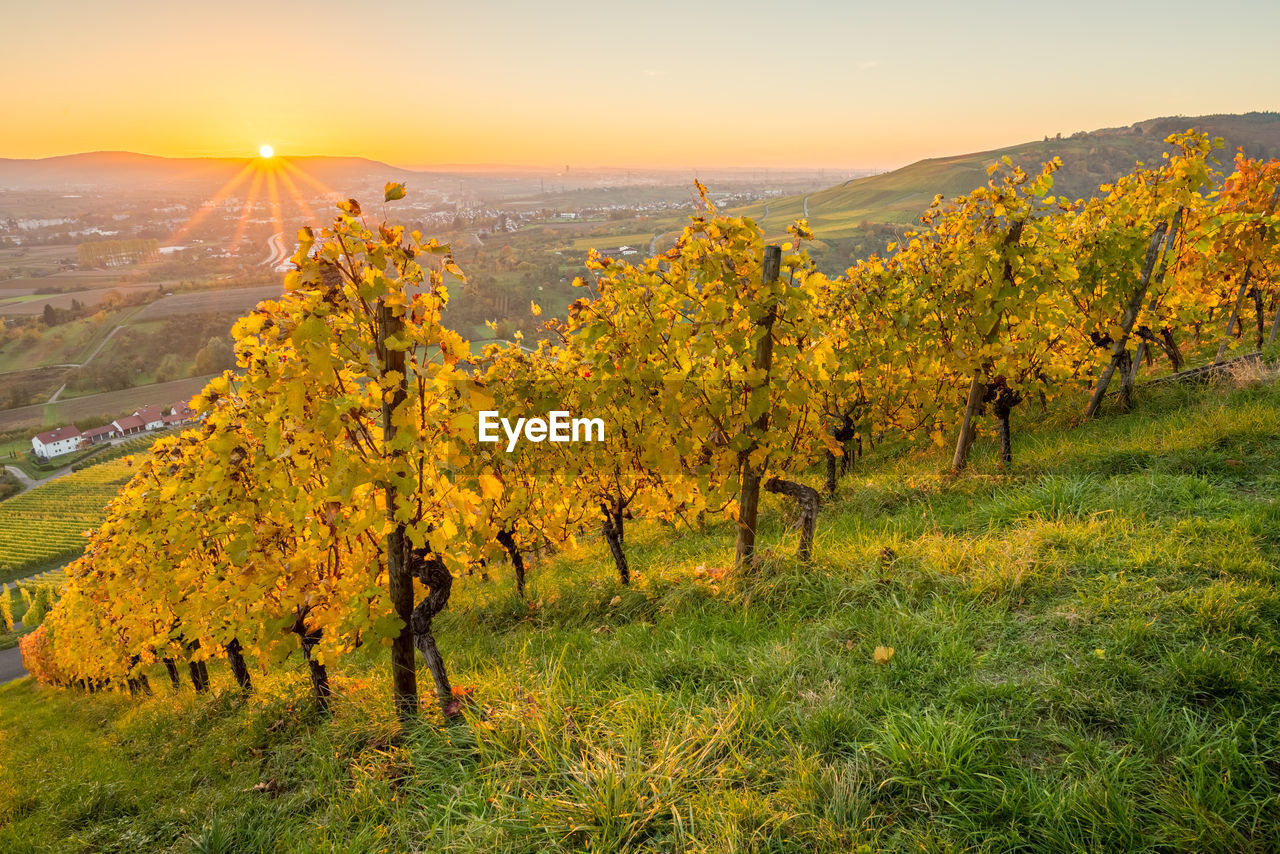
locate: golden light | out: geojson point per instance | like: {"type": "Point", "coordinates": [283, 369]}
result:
{"type": "Point", "coordinates": [274, 185]}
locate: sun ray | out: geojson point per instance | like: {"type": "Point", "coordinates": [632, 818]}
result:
{"type": "Point", "coordinates": [249, 202]}
{"type": "Point", "coordinates": [296, 197]}
{"type": "Point", "coordinates": [205, 209]}
{"type": "Point", "coordinates": [277, 214]}
{"type": "Point", "coordinates": [316, 183]}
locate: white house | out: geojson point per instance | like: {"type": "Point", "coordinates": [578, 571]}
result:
{"type": "Point", "coordinates": [129, 425]}
{"type": "Point", "coordinates": [152, 417]}
{"type": "Point", "coordinates": [64, 440]}
{"type": "Point", "coordinates": [53, 443]}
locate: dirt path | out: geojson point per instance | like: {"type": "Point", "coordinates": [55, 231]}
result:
{"type": "Point", "coordinates": [11, 665]}
{"type": "Point", "coordinates": [11, 661]}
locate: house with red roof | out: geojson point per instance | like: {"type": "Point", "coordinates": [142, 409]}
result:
{"type": "Point", "coordinates": [53, 443]}
{"type": "Point", "coordinates": [152, 416]}
{"type": "Point", "coordinates": [179, 413]}
{"type": "Point", "coordinates": [129, 425]}
{"type": "Point", "coordinates": [99, 434]}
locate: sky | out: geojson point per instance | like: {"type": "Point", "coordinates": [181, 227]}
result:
{"type": "Point", "coordinates": [663, 83]}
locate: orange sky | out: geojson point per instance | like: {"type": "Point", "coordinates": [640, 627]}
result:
{"type": "Point", "coordinates": [678, 84]}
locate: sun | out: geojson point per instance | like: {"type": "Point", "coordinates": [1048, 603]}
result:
{"type": "Point", "coordinates": [266, 152]}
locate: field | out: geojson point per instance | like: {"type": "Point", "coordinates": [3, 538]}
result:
{"type": "Point", "coordinates": [1079, 656]}
{"type": "Point", "coordinates": [110, 403]}
{"type": "Point", "coordinates": [206, 301]}
{"type": "Point", "coordinates": [46, 525]}
{"type": "Point", "coordinates": [33, 304]}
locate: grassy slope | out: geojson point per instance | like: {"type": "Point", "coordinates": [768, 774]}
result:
{"type": "Point", "coordinates": [1088, 161]}
{"type": "Point", "coordinates": [1085, 660]}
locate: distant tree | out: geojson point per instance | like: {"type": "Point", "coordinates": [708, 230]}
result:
{"type": "Point", "coordinates": [214, 357]}
{"type": "Point", "coordinates": [171, 368]}
{"type": "Point", "coordinates": [50, 315]}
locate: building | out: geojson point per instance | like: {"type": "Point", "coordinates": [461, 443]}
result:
{"type": "Point", "coordinates": [53, 443]}
{"type": "Point", "coordinates": [99, 434]}
{"type": "Point", "coordinates": [64, 440]}
{"type": "Point", "coordinates": [152, 416]}
{"type": "Point", "coordinates": [129, 425]}
{"type": "Point", "coordinates": [179, 413]}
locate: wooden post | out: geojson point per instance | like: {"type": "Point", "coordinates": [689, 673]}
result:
{"type": "Point", "coordinates": [1235, 313]}
{"type": "Point", "coordinates": [961, 456]}
{"type": "Point", "coordinates": [749, 499]}
{"type": "Point", "coordinates": [1126, 322]}
{"type": "Point", "coordinates": [809, 500]}
{"type": "Point", "coordinates": [1271, 336]}
{"type": "Point", "coordinates": [1244, 285]}
{"type": "Point", "coordinates": [1131, 377]}
{"type": "Point", "coordinates": [404, 677]}
{"type": "Point", "coordinates": [977, 387]}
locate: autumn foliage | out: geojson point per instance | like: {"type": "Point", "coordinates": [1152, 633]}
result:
{"type": "Point", "coordinates": [339, 462]}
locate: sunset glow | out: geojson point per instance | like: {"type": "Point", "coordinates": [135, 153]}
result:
{"type": "Point", "coordinates": [585, 83]}
{"type": "Point", "coordinates": [266, 152]}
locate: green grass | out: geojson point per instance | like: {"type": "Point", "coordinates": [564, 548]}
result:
{"type": "Point", "coordinates": [67, 343]}
{"type": "Point", "coordinates": [37, 470]}
{"type": "Point", "coordinates": [1085, 660]}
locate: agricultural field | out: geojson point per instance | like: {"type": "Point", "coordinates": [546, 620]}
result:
{"type": "Point", "coordinates": [33, 304]}
{"type": "Point", "coordinates": [240, 300]}
{"type": "Point", "coordinates": [46, 525]}
{"type": "Point", "coordinates": [110, 403]}
{"type": "Point", "coordinates": [28, 267]}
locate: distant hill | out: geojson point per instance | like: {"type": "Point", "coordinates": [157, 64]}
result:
{"type": "Point", "coordinates": [1089, 159]}
{"type": "Point", "coordinates": [110, 170]}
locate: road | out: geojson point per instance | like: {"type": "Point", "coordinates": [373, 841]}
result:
{"type": "Point", "coordinates": [653, 244]}
{"type": "Point", "coordinates": [22, 477]}
{"type": "Point", "coordinates": [96, 350]}
{"type": "Point", "coordinates": [11, 661]}
{"type": "Point", "coordinates": [28, 482]}
{"type": "Point", "coordinates": [279, 254]}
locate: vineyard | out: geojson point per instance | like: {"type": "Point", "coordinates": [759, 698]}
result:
{"type": "Point", "coordinates": [117, 253]}
{"type": "Point", "coordinates": [48, 523]}
{"type": "Point", "coordinates": [335, 494]}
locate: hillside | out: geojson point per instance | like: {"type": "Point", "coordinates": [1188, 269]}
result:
{"type": "Point", "coordinates": [103, 170]}
{"type": "Point", "coordinates": [1089, 159]}
{"type": "Point", "coordinates": [1083, 658]}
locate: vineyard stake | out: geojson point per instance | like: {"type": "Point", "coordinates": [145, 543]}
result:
{"type": "Point", "coordinates": [1131, 377]}
{"type": "Point", "coordinates": [749, 505]}
{"type": "Point", "coordinates": [1244, 285]}
{"type": "Point", "coordinates": [1126, 323]}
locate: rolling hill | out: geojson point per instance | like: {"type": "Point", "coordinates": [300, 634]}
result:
{"type": "Point", "coordinates": [100, 170]}
{"type": "Point", "coordinates": [1089, 159]}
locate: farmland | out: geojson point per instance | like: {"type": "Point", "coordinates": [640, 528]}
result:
{"type": "Point", "coordinates": [46, 525]}
{"type": "Point", "coordinates": [105, 404]}
{"type": "Point", "coordinates": [208, 301]}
